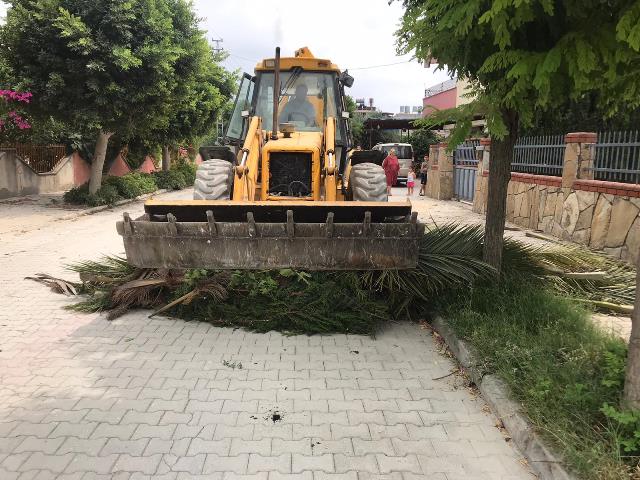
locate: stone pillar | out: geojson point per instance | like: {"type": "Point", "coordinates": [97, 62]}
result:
{"type": "Point", "coordinates": [445, 171]}
{"type": "Point", "coordinates": [578, 157]}
{"type": "Point", "coordinates": [482, 178]}
{"type": "Point", "coordinates": [433, 180]}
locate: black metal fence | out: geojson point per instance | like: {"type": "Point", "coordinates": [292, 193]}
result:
{"type": "Point", "coordinates": [465, 164]}
{"type": "Point", "coordinates": [42, 158]}
{"type": "Point", "coordinates": [543, 155]}
{"type": "Point", "coordinates": [617, 157]}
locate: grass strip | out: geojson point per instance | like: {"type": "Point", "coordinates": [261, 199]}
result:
{"type": "Point", "coordinates": [559, 366]}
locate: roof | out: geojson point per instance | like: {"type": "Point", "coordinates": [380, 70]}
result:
{"type": "Point", "coordinates": [441, 87]}
{"type": "Point", "coordinates": [390, 123]}
{"type": "Point", "coordinates": [303, 59]}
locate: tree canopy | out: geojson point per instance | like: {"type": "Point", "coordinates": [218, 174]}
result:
{"type": "Point", "coordinates": [203, 89]}
{"type": "Point", "coordinates": [523, 56]}
{"type": "Point", "coordinates": [528, 56]}
{"type": "Point", "coordinates": [134, 68]}
{"type": "Point", "coordinates": [101, 65]}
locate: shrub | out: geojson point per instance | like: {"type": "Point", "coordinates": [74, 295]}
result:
{"type": "Point", "coordinates": [188, 170]}
{"type": "Point", "coordinates": [133, 184]}
{"type": "Point", "coordinates": [77, 195]}
{"type": "Point", "coordinates": [170, 180]}
{"type": "Point", "coordinates": [106, 195]}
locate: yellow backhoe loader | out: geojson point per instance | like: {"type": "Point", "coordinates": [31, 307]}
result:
{"type": "Point", "coordinates": [286, 191]}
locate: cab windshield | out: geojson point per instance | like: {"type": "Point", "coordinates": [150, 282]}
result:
{"type": "Point", "coordinates": [306, 99]}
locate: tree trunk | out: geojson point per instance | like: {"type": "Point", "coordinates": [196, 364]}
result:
{"type": "Point", "coordinates": [631, 397]}
{"type": "Point", "coordinates": [166, 158]}
{"type": "Point", "coordinates": [99, 154]}
{"type": "Point", "coordinates": [499, 175]}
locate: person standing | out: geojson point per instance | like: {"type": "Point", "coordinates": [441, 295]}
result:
{"type": "Point", "coordinates": [411, 181]}
{"type": "Point", "coordinates": [424, 169]}
{"type": "Point", "coordinates": [391, 167]}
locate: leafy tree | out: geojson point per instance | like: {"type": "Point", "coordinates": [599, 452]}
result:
{"type": "Point", "coordinates": [582, 115]}
{"type": "Point", "coordinates": [355, 120]}
{"type": "Point", "coordinates": [205, 98]}
{"type": "Point", "coordinates": [520, 56]}
{"type": "Point", "coordinates": [203, 90]}
{"type": "Point", "coordinates": [420, 140]}
{"type": "Point", "coordinates": [106, 67]}
{"type": "Point", "coordinates": [366, 138]}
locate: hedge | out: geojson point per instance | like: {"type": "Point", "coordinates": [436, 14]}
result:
{"type": "Point", "coordinates": [133, 185]}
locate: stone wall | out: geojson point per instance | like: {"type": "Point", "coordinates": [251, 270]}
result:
{"type": "Point", "coordinates": [17, 178]}
{"type": "Point", "coordinates": [440, 175]}
{"type": "Point", "coordinates": [601, 215]}
{"type": "Point", "coordinates": [600, 220]}
{"type": "Point", "coordinates": [482, 177]}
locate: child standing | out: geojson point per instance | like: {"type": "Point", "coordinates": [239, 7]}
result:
{"type": "Point", "coordinates": [411, 181]}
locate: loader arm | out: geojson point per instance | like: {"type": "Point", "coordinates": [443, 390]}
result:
{"type": "Point", "coordinates": [246, 171]}
{"type": "Point", "coordinates": [329, 171]}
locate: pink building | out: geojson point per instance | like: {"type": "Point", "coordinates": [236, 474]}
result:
{"type": "Point", "coordinates": [448, 94]}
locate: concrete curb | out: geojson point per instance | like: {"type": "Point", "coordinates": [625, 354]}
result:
{"type": "Point", "coordinates": [544, 463]}
{"type": "Point", "coordinates": [101, 208]}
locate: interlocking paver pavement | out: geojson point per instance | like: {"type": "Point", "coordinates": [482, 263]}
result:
{"type": "Point", "coordinates": [138, 398]}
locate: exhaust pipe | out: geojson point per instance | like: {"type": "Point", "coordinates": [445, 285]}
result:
{"type": "Point", "coordinates": [276, 96]}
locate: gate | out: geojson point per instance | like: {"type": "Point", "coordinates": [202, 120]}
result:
{"type": "Point", "coordinates": [465, 165]}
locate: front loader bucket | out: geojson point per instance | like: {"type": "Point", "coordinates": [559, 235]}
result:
{"type": "Point", "coordinates": [272, 235]}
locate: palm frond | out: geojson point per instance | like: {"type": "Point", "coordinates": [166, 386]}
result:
{"type": "Point", "coordinates": [109, 269]}
{"type": "Point", "coordinates": [214, 288]}
{"type": "Point", "coordinates": [562, 266]}
{"type": "Point", "coordinates": [58, 285]}
{"type": "Point", "coordinates": [449, 256]}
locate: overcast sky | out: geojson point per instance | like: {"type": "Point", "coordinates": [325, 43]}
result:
{"type": "Point", "coordinates": [354, 34]}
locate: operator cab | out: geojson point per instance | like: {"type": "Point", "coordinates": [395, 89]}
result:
{"type": "Point", "coordinates": [311, 90]}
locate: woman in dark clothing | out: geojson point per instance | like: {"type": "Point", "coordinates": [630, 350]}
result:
{"type": "Point", "coordinates": [391, 168]}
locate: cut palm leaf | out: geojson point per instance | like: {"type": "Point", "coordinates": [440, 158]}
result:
{"type": "Point", "coordinates": [58, 285]}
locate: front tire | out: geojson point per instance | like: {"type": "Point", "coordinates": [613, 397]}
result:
{"type": "Point", "coordinates": [368, 183]}
{"type": "Point", "coordinates": [213, 180]}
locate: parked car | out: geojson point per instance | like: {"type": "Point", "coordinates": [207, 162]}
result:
{"type": "Point", "coordinates": [404, 152]}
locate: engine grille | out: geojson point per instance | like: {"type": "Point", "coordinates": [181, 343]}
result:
{"type": "Point", "coordinates": [290, 174]}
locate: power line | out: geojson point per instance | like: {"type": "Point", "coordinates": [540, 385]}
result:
{"type": "Point", "coordinates": [243, 58]}
{"type": "Point", "coordinates": [380, 66]}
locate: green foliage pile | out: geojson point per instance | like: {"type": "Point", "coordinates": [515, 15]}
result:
{"type": "Point", "coordinates": [565, 372]}
{"type": "Point", "coordinates": [289, 301]}
{"type": "Point", "coordinates": [448, 261]}
{"type": "Point", "coordinates": [133, 185]}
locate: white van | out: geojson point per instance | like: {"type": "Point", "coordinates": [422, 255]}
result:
{"type": "Point", "coordinates": [404, 152]}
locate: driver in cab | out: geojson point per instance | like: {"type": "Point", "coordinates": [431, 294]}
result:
{"type": "Point", "coordinates": [299, 109]}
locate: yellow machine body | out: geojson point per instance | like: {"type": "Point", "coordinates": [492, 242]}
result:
{"type": "Point", "coordinates": [290, 203]}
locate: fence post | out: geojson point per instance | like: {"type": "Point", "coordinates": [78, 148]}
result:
{"type": "Point", "coordinates": [445, 172]}
{"type": "Point", "coordinates": [482, 177]}
{"type": "Point", "coordinates": [578, 161]}
{"type": "Point", "coordinates": [432, 173]}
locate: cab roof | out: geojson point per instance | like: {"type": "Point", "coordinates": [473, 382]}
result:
{"type": "Point", "coordinates": [303, 58]}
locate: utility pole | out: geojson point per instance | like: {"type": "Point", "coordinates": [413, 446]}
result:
{"type": "Point", "coordinates": [218, 41]}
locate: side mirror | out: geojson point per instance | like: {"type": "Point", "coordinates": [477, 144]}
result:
{"type": "Point", "coordinates": [346, 79]}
